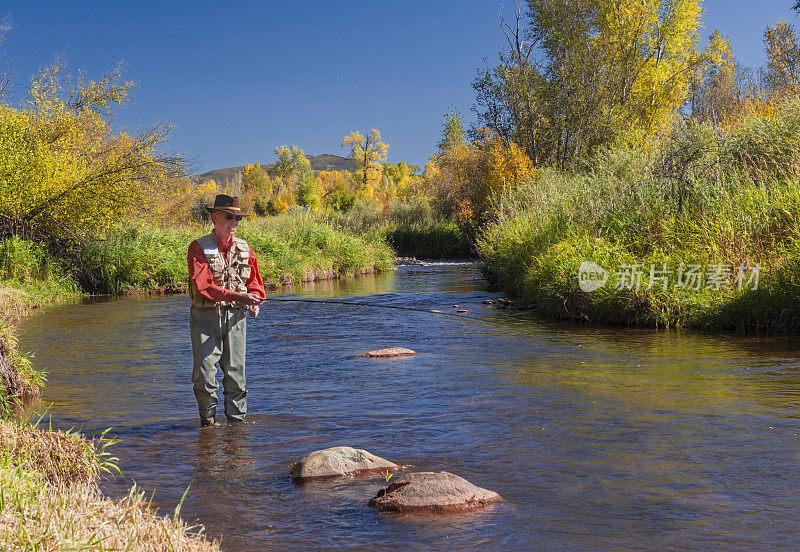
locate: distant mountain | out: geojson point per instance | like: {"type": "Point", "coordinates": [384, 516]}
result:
{"type": "Point", "coordinates": [324, 162]}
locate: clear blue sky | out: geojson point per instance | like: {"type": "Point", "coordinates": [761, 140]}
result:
{"type": "Point", "coordinates": [239, 78]}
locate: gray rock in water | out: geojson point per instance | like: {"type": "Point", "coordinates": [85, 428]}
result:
{"type": "Point", "coordinates": [339, 462]}
{"type": "Point", "coordinates": [432, 492]}
{"type": "Point", "coordinates": [390, 352]}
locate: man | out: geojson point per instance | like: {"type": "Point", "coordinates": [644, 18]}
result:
{"type": "Point", "coordinates": [224, 284]}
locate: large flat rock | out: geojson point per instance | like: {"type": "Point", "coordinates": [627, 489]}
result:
{"type": "Point", "coordinates": [432, 491]}
{"type": "Point", "coordinates": [339, 462]}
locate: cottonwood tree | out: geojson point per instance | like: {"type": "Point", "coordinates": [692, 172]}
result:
{"type": "Point", "coordinates": [64, 172]}
{"type": "Point", "coordinates": [295, 180]}
{"type": "Point", "coordinates": [369, 154]}
{"type": "Point", "coordinates": [610, 70]}
{"type": "Point", "coordinates": [717, 93]}
{"type": "Point", "coordinates": [783, 58]}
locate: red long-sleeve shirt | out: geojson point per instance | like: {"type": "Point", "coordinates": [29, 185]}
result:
{"type": "Point", "coordinates": [203, 280]}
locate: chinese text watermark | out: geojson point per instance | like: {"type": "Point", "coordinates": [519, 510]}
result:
{"type": "Point", "coordinates": [690, 277]}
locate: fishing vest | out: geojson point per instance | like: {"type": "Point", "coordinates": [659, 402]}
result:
{"type": "Point", "coordinates": [231, 273]}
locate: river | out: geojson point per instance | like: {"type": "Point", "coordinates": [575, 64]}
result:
{"type": "Point", "coordinates": [596, 438]}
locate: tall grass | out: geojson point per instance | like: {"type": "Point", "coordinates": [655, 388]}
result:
{"type": "Point", "coordinates": [436, 240]}
{"type": "Point", "coordinates": [289, 248]}
{"type": "Point", "coordinates": [699, 198]}
{"type": "Point", "coordinates": [410, 226]}
{"type": "Point", "coordinates": [300, 247]}
{"type": "Point", "coordinates": [30, 275]}
{"type": "Point", "coordinates": [49, 499]}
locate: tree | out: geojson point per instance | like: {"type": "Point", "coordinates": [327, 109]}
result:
{"type": "Point", "coordinates": [369, 153]}
{"type": "Point", "coordinates": [453, 130]}
{"type": "Point", "coordinates": [783, 58]}
{"type": "Point", "coordinates": [64, 172]}
{"type": "Point", "coordinates": [611, 70]}
{"type": "Point", "coordinates": [464, 178]}
{"type": "Point", "coordinates": [716, 95]}
{"type": "Point", "coordinates": [337, 192]}
{"type": "Point", "coordinates": [255, 178]}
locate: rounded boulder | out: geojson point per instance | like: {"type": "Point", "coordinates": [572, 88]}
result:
{"type": "Point", "coordinates": [432, 492]}
{"type": "Point", "coordinates": [339, 462]}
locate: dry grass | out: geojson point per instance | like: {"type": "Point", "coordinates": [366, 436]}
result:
{"type": "Point", "coordinates": [49, 500]}
{"type": "Point", "coordinates": [59, 458]}
{"type": "Point", "coordinates": [14, 304]}
{"type": "Point", "coordinates": [79, 517]}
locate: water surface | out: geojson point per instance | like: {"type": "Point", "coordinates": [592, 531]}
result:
{"type": "Point", "coordinates": [597, 438]}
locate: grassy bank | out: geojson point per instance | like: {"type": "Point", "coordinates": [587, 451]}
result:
{"type": "Point", "coordinates": [49, 499]}
{"type": "Point", "coordinates": [718, 203]}
{"type": "Point", "coordinates": [410, 227]}
{"type": "Point", "coordinates": [289, 249]}
{"type": "Point", "coordinates": [438, 240]}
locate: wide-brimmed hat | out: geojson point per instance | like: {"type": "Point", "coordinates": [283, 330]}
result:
{"type": "Point", "coordinates": [226, 204]}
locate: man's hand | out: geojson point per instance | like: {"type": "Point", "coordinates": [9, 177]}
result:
{"type": "Point", "coordinates": [253, 310]}
{"type": "Point", "coordinates": [249, 299]}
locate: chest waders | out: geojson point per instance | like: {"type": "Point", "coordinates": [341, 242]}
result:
{"type": "Point", "coordinates": [219, 333]}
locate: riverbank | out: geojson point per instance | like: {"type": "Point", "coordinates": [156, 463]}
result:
{"type": "Point", "coordinates": [702, 232]}
{"type": "Point", "coordinates": [49, 499]}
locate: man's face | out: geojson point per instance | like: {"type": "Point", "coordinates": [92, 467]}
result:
{"type": "Point", "coordinates": [224, 226]}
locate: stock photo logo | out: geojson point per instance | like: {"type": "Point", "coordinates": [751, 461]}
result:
{"type": "Point", "coordinates": [591, 276]}
{"type": "Point", "coordinates": [689, 277]}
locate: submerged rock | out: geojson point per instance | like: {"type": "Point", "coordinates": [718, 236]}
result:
{"type": "Point", "coordinates": [400, 261]}
{"type": "Point", "coordinates": [390, 352]}
{"type": "Point", "coordinates": [461, 311]}
{"type": "Point", "coordinates": [339, 462]}
{"type": "Point", "coordinates": [432, 492]}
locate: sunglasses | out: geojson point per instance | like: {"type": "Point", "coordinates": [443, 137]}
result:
{"type": "Point", "coordinates": [231, 217]}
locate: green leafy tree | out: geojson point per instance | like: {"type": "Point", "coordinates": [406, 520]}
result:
{"type": "Point", "coordinates": [296, 177]}
{"type": "Point", "coordinates": [453, 130]}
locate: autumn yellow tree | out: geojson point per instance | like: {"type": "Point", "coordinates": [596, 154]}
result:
{"type": "Point", "coordinates": [716, 95]}
{"type": "Point", "coordinates": [467, 177]}
{"type": "Point", "coordinates": [64, 172]}
{"type": "Point", "coordinates": [256, 189]}
{"type": "Point", "coordinates": [369, 154]}
{"type": "Point", "coordinates": [783, 58]}
{"type": "Point", "coordinates": [610, 70]}
{"type": "Point", "coordinates": [336, 189]}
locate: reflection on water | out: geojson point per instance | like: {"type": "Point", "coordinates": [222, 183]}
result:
{"type": "Point", "coordinates": [596, 438]}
